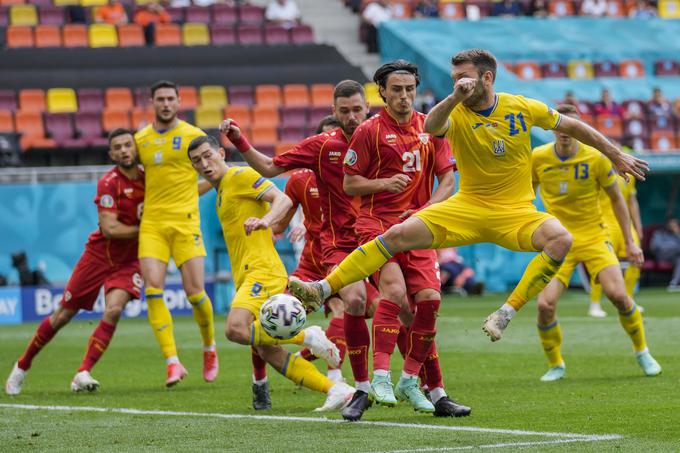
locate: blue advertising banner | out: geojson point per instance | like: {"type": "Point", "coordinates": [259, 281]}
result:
{"type": "Point", "coordinates": [10, 306]}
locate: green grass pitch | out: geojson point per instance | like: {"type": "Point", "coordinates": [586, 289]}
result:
{"type": "Point", "coordinates": [604, 396]}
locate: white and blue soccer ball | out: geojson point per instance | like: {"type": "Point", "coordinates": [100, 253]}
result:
{"type": "Point", "coordinates": [282, 316]}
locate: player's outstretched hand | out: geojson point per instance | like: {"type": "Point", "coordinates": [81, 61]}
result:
{"type": "Point", "coordinates": [635, 255]}
{"type": "Point", "coordinates": [253, 223]}
{"type": "Point", "coordinates": [464, 88]}
{"type": "Point", "coordinates": [626, 164]}
{"type": "Point", "coordinates": [231, 129]}
{"type": "Point", "coordinates": [396, 183]}
{"type": "Point", "coordinates": [297, 234]}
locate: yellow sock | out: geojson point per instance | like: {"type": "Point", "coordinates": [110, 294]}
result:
{"type": "Point", "coordinates": [359, 264]}
{"type": "Point", "coordinates": [595, 292]}
{"type": "Point", "coordinates": [551, 340]}
{"type": "Point", "coordinates": [201, 305]}
{"type": "Point", "coordinates": [632, 324]}
{"type": "Point", "coordinates": [305, 374]}
{"type": "Point", "coordinates": [260, 338]}
{"type": "Point", "coordinates": [538, 273]}
{"type": "Point", "coordinates": [631, 278]}
{"type": "Point", "coordinates": [161, 321]}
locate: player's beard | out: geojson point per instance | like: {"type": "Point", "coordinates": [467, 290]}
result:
{"type": "Point", "coordinates": [161, 120]}
{"type": "Point", "coordinates": [127, 165]}
{"type": "Point", "coordinates": [477, 97]}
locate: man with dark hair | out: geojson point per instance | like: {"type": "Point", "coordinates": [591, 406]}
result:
{"type": "Point", "coordinates": [110, 259]}
{"type": "Point", "coordinates": [171, 228]}
{"type": "Point", "coordinates": [491, 136]}
{"type": "Point", "coordinates": [327, 123]}
{"type": "Point", "coordinates": [570, 175]}
{"type": "Point", "coordinates": [324, 154]}
{"type": "Point", "coordinates": [243, 198]}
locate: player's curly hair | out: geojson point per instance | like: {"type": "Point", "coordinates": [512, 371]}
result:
{"type": "Point", "coordinates": [398, 66]}
{"type": "Point", "coordinates": [482, 59]}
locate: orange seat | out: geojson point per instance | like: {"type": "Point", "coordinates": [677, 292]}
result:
{"type": "Point", "coordinates": [30, 126]}
{"type": "Point", "coordinates": [322, 94]}
{"type": "Point", "coordinates": [189, 97]}
{"type": "Point", "coordinates": [528, 70]}
{"type": "Point", "coordinates": [561, 8]}
{"type": "Point", "coordinates": [18, 37]}
{"type": "Point", "coordinates": [168, 35]}
{"type": "Point", "coordinates": [268, 95]}
{"type": "Point", "coordinates": [401, 9]}
{"type": "Point", "coordinates": [282, 147]}
{"type": "Point", "coordinates": [663, 141]}
{"type": "Point", "coordinates": [141, 116]}
{"type": "Point", "coordinates": [631, 69]}
{"type": "Point", "coordinates": [32, 100]}
{"type": "Point", "coordinates": [240, 113]}
{"type": "Point", "coordinates": [617, 8]}
{"type": "Point", "coordinates": [11, 2]}
{"type": "Point", "coordinates": [265, 115]}
{"type": "Point", "coordinates": [6, 121]}
{"type": "Point", "coordinates": [119, 99]}
{"type": "Point", "coordinates": [47, 36]}
{"type": "Point", "coordinates": [113, 119]}
{"type": "Point", "coordinates": [610, 125]}
{"type": "Point", "coordinates": [451, 10]}
{"type": "Point", "coordinates": [131, 35]}
{"type": "Point", "coordinates": [295, 95]}
{"type": "Point", "coordinates": [75, 35]}
{"type": "Point", "coordinates": [264, 135]}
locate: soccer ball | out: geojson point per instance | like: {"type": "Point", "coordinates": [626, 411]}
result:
{"type": "Point", "coordinates": [282, 316]}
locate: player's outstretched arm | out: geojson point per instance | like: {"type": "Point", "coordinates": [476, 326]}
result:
{"type": "Point", "coordinates": [262, 164]}
{"type": "Point", "coordinates": [112, 228]}
{"type": "Point", "coordinates": [437, 121]}
{"type": "Point", "coordinates": [635, 255]}
{"type": "Point", "coordinates": [624, 163]}
{"type": "Point", "coordinates": [634, 208]}
{"type": "Point", "coordinates": [280, 226]}
{"type": "Point", "coordinates": [280, 204]}
{"type": "Point", "coordinates": [204, 187]}
{"type": "Point", "coordinates": [357, 185]}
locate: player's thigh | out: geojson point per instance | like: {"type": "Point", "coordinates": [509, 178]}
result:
{"type": "Point", "coordinates": [186, 243]}
{"type": "Point", "coordinates": [412, 233]}
{"type": "Point", "coordinates": [421, 273]}
{"type": "Point", "coordinates": [193, 275]}
{"type": "Point", "coordinates": [453, 222]}
{"type": "Point", "coordinates": [255, 290]}
{"type": "Point", "coordinates": [83, 286]}
{"type": "Point", "coordinates": [520, 227]}
{"type": "Point", "coordinates": [154, 242]}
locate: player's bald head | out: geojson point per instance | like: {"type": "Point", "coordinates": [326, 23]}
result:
{"type": "Point", "coordinates": [482, 59]}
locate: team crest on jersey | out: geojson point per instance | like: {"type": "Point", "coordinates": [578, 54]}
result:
{"type": "Point", "coordinates": [106, 201]}
{"type": "Point", "coordinates": [424, 138]}
{"type": "Point", "coordinates": [158, 157]}
{"type": "Point", "coordinates": [351, 157]}
{"type": "Point", "coordinates": [499, 147]}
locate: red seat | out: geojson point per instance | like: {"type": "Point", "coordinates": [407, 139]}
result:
{"type": "Point", "coordinates": [51, 15]}
{"type": "Point", "coordinates": [661, 123]}
{"type": "Point", "coordinates": [606, 69]}
{"type": "Point", "coordinates": [251, 14]}
{"type": "Point", "coordinates": [8, 100]}
{"type": "Point", "coordinates": [249, 35]}
{"type": "Point", "coordinates": [224, 15]}
{"type": "Point", "coordinates": [667, 68]}
{"type": "Point", "coordinates": [635, 127]}
{"type": "Point", "coordinates": [59, 126]}
{"type": "Point", "coordinates": [610, 125]}
{"type": "Point", "coordinates": [554, 69]}
{"type": "Point", "coordinates": [88, 126]}
{"type": "Point", "coordinates": [451, 10]}
{"type": "Point", "coordinates": [631, 69]}
{"type": "Point", "coordinates": [561, 8]}
{"type": "Point", "coordinates": [241, 94]}
{"type": "Point", "coordinates": [302, 34]}
{"type": "Point", "coordinates": [222, 35]}
{"type": "Point", "coordinates": [197, 14]}
{"type": "Point", "coordinates": [635, 108]}
{"type": "Point", "coordinates": [276, 35]}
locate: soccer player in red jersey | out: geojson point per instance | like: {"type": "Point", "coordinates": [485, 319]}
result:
{"type": "Point", "coordinates": [324, 155]}
{"type": "Point", "coordinates": [110, 259]}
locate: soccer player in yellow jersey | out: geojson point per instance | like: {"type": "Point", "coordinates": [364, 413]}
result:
{"type": "Point", "coordinates": [171, 228]}
{"type": "Point", "coordinates": [570, 175]}
{"type": "Point", "coordinates": [489, 134]}
{"type": "Point", "coordinates": [631, 271]}
{"type": "Point", "coordinates": [242, 208]}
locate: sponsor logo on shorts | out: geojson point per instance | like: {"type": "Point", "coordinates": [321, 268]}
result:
{"type": "Point", "coordinates": [67, 295]}
{"type": "Point", "coordinates": [351, 157]}
{"type": "Point", "coordinates": [106, 201]}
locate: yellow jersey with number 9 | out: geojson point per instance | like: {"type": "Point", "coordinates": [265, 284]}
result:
{"type": "Point", "coordinates": [171, 182]}
{"type": "Point", "coordinates": [493, 147]}
{"type": "Point", "coordinates": [239, 197]}
{"type": "Point", "coordinates": [570, 187]}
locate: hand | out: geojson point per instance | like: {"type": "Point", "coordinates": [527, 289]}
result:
{"type": "Point", "coordinates": [253, 224]}
{"type": "Point", "coordinates": [297, 233]}
{"type": "Point", "coordinates": [626, 164]}
{"type": "Point", "coordinates": [396, 183]}
{"type": "Point", "coordinates": [464, 88]}
{"type": "Point", "coordinates": [635, 255]}
{"type": "Point", "coordinates": [231, 129]}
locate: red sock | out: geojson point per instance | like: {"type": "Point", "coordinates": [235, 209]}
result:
{"type": "Point", "coordinates": [431, 372]}
{"type": "Point", "coordinates": [421, 336]}
{"type": "Point", "coordinates": [43, 334]}
{"type": "Point", "coordinates": [402, 340]}
{"type": "Point", "coordinates": [259, 365]}
{"type": "Point", "coordinates": [99, 341]}
{"type": "Point", "coordinates": [336, 333]}
{"type": "Point", "coordinates": [307, 355]}
{"type": "Point", "coordinates": [358, 340]}
{"type": "Point", "coordinates": [385, 332]}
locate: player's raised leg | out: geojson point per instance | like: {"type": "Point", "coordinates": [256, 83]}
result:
{"type": "Point", "coordinates": [550, 331]}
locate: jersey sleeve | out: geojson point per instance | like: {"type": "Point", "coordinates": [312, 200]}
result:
{"type": "Point", "coordinates": [247, 183]}
{"type": "Point", "coordinates": [107, 196]}
{"type": "Point", "coordinates": [632, 189]}
{"type": "Point", "coordinates": [293, 189]}
{"type": "Point", "coordinates": [303, 155]}
{"type": "Point", "coordinates": [606, 176]}
{"type": "Point", "coordinates": [358, 155]}
{"type": "Point", "coordinates": [542, 115]}
{"type": "Point", "coordinates": [443, 157]}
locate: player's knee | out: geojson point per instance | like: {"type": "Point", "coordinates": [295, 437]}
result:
{"type": "Point", "coordinates": [546, 309]}
{"type": "Point", "coordinates": [237, 332]}
{"type": "Point", "coordinates": [563, 241]}
{"type": "Point", "coordinates": [427, 294]}
{"type": "Point", "coordinates": [395, 238]}
{"type": "Point", "coordinates": [112, 313]}
{"type": "Point", "coordinates": [618, 297]}
{"type": "Point", "coordinates": [394, 292]}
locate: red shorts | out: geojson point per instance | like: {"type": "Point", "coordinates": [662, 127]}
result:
{"type": "Point", "coordinates": [307, 271]}
{"type": "Point", "coordinates": [332, 258]}
{"type": "Point", "coordinates": [91, 272]}
{"type": "Point", "coordinates": [420, 269]}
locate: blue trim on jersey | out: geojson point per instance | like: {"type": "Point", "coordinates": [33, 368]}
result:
{"type": "Point", "coordinates": [489, 111]}
{"type": "Point", "coordinates": [557, 155]}
{"type": "Point", "coordinates": [549, 326]}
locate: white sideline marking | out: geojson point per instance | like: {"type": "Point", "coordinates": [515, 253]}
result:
{"type": "Point", "coordinates": [562, 437]}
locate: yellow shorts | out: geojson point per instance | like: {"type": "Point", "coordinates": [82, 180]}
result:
{"type": "Point", "coordinates": [619, 242]}
{"type": "Point", "coordinates": [595, 251]}
{"type": "Point", "coordinates": [255, 290]}
{"type": "Point", "coordinates": [462, 220]}
{"type": "Point", "coordinates": [163, 240]}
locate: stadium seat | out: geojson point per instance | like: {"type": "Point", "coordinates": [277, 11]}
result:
{"type": "Point", "coordinates": [663, 141]}
{"type": "Point", "coordinates": [241, 114]}
{"type": "Point", "coordinates": [610, 125]}
{"type": "Point", "coordinates": [451, 10]}
{"type": "Point", "coordinates": [282, 147]}
{"type": "Point", "coordinates": [61, 100]}
{"type": "Point", "coordinates": [635, 127]}
{"type": "Point", "coordinates": [268, 95]}
{"type": "Point", "coordinates": [65, 2]}
{"type": "Point", "coordinates": [208, 117]}
{"type": "Point", "coordinates": [372, 95]}
{"type": "Point", "coordinates": [32, 100]}
{"type": "Point", "coordinates": [197, 14]}
{"type": "Point", "coordinates": [168, 35]}
{"type": "Point", "coordinates": [47, 36]}
{"type": "Point", "coordinates": [30, 126]}
{"type": "Point", "coordinates": [23, 15]}
{"type": "Point", "coordinates": [19, 37]}
{"type": "Point", "coordinates": [669, 9]}
{"type": "Point", "coordinates": [102, 35]}
{"type": "Point", "coordinates": [241, 94]}
{"type": "Point", "coordinates": [195, 34]}
{"type": "Point", "coordinates": [6, 122]}
{"type": "Point", "coordinates": [118, 98]}
{"type": "Point", "coordinates": [554, 69]}
{"type": "Point", "coordinates": [264, 135]}
{"type": "Point", "coordinates": [316, 114]}
{"type": "Point", "coordinates": [51, 15]}
{"type": "Point", "coordinates": [631, 69]}
{"type": "Point", "coordinates": [661, 123]}
{"type": "Point", "coordinates": [639, 144]}
{"type": "Point", "coordinates": [634, 108]}
{"type": "Point", "coordinates": [223, 35]}
{"type": "Point", "coordinates": [580, 69]}
{"type": "Point", "coordinates": [141, 116]}
{"type": "Point", "coordinates": [11, 2]}
{"type": "Point", "coordinates": [113, 119]}
{"type": "Point", "coordinates": [90, 100]}
{"type": "Point", "coordinates": [251, 14]}
{"type": "Point", "coordinates": [302, 34]}
{"type": "Point", "coordinates": [224, 15]}
{"type": "Point", "coordinates": [213, 97]}
{"type": "Point", "coordinates": [401, 9]}
{"type": "Point", "coordinates": [59, 126]}
{"type": "Point", "coordinates": [88, 126]}
{"type": "Point", "coordinates": [40, 3]}
{"type": "Point", "coordinates": [4, 21]}
{"type": "Point", "coordinates": [90, 3]}
{"type": "Point", "coordinates": [131, 35]}
{"type": "Point", "coordinates": [476, 9]}
{"type": "Point", "coordinates": [249, 35]}
{"type": "Point", "coordinates": [321, 94]}
{"type": "Point", "coordinates": [188, 97]}
{"type": "Point", "coordinates": [75, 35]}
{"type": "Point", "coordinates": [176, 14]}
{"type": "Point", "coordinates": [8, 100]}
{"type": "Point", "coordinates": [292, 133]}
{"type": "Point", "coordinates": [296, 95]}
{"type": "Point", "coordinates": [276, 35]}
{"type": "Point", "coordinates": [561, 8]}
{"type": "Point", "coordinates": [294, 116]}
{"type": "Point", "coordinates": [527, 70]}
{"type": "Point", "coordinates": [666, 68]}
{"type": "Point", "coordinates": [266, 115]}
{"type": "Point", "coordinates": [606, 69]}
{"type": "Point", "coordinates": [617, 8]}
{"type": "Point", "coordinates": [142, 96]}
